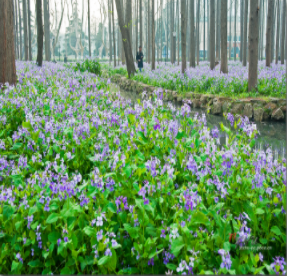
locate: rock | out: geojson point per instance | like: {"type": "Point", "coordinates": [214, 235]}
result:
{"type": "Point", "coordinates": [258, 114]}
{"type": "Point", "coordinates": [197, 96]}
{"type": "Point", "coordinates": [277, 114]}
{"type": "Point", "coordinates": [174, 94]}
{"type": "Point", "coordinates": [237, 108]}
{"type": "Point", "coordinates": [210, 102]}
{"type": "Point", "coordinates": [270, 107]}
{"type": "Point", "coordinates": [266, 115]}
{"type": "Point", "coordinates": [179, 98]}
{"type": "Point", "coordinates": [216, 108]}
{"type": "Point", "coordinates": [258, 102]}
{"type": "Point", "coordinates": [204, 99]}
{"type": "Point", "coordinates": [248, 110]}
{"type": "Point", "coordinates": [195, 103]}
{"type": "Point", "coordinates": [226, 106]}
{"type": "Point", "coordinates": [188, 95]}
{"type": "Point", "coordinates": [281, 102]}
{"type": "Point", "coordinates": [283, 108]}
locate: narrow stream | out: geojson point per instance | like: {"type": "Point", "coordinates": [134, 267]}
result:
{"type": "Point", "coordinates": [271, 134]}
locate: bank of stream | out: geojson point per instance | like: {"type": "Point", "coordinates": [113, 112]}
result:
{"type": "Point", "coordinates": [271, 134]}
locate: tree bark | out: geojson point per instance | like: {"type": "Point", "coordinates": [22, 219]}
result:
{"type": "Point", "coordinates": [208, 30]}
{"type": "Point", "coordinates": [30, 31]}
{"type": "Point", "coordinates": [197, 39]}
{"type": "Point", "coordinates": [178, 32]}
{"type": "Point", "coordinates": [110, 32]}
{"type": "Point", "coordinates": [217, 30]}
{"type": "Point", "coordinates": [224, 60]}
{"type": "Point", "coordinates": [126, 40]}
{"type": "Point", "coordinates": [47, 30]}
{"type": "Point", "coordinates": [7, 52]}
{"type": "Point", "coordinates": [245, 33]}
{"type": "Point", "coordinates": [192, 42]}
{"type": "Point", "coordinates": [277, 32]}
{"type": "Point", "coordinates": [253, 45]}
{"type": "Point", "coordinates": [39, 33]}
{"type": "Point", "coordinates": [268, 33]}
{"type": "Point", "coordinates": [153, 36]}
{"type": "Point", "coordinates": [230, 33]}
{"type": "Point", "coordinates": [273, 29]}
{"type": "Point", "coordinates": [20, 31]}
{"type": "Point", "coordinates": [26, 46]}
{"type": "Point", "coordinates": [235, 38]}
{"type": "Point", "coordinates": [17, 38]}
{"type": "Point", "coordinates": [14, 27]}
{"type": "Point", "coordinates": [241, 29]}
{"type": "Point", "coordinates": [212, 34]}
{"type": "Point", "coordinates": [283, 27]}
{"type": "Point", "coordinates": [204, 29]}
{"type": "Point", "coordinates": [141, 23]}
{"type": "Point", "coordinates": [114, 39]}
{"type": "Point", "coordinates": [89, 28]}
{"type": "Point", "coordinates": [183, 36]}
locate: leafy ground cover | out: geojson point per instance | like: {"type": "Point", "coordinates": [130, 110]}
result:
{"type": "Point", "coordinates": [271, 81]}
{"type": "Point", "coordinates": [93, 185]}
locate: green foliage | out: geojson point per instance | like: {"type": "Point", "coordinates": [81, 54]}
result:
{"type": "Point", "coordinates": [90, 65]}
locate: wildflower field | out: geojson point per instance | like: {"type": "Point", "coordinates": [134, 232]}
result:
{"type": "Point", "coordinates": [91, 185]}
{"type": "Point", "coordinates": [271, 80]}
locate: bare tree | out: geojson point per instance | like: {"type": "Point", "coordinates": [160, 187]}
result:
{"type": "Point", "coordinates": [212, 35]}
{"type": "Point", "coordinates": [253, 45]}
{"type": "Point", "coordinates": [235, 38]}
{"type": "Point", "coordinates": [224, 59]}
{"type": "Point", "coordinates": [47, 30]}
{"type": "Point", "coordinates": [7, 52]}
{"type": "Point", "coordinates": [183, 36]}
{"type": "Point", "coordinates": [192, 42]}
{"type": "Point", "coordinates": [153, 36]}
{"type": "Point", "coordinates": [245, 33]}
{"type": "Point", "coordinates": [197, 29]}
{"type": "Point", "coordinates": [283, 27]}
{"type": "Point", "coordinates": [208, 31]}
{"type": "Point", "coordinates": [268, 33]}
{"type": "Point", "coordinates": [89, 27]}
{"type": "Point", "coordinates": [30, 31]}
{"type": "Point", "coordinates": [141, 23]}
{"type": "Point", "coordinates": [40, 33]}
{"type": "Point", "coordinates": [26, 46]}
{"type": "Point", "coordinates": [241, 28]}
{"type": "Point", "coordinates": [20, 31]}
{"type": "Point", "coordinates": [230, 34]}
{"type": "Point", "coordinates": [115, 61]}
{"type": "Point", "coordinates": [126, 41]}
{"type": "Point", "coordinates": [204, 29]}
{"type": "Point", "coordinates": [273, 29]}
{"type": "Point", "coordinates": [217, 30]}
{"type": "Point", "coordinates": [277, 32]}
{"type": "Point", "coordinates": [16, 28]}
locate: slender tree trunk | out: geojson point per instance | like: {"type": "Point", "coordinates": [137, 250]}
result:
{"type": "Point", "coordinates": [283, 27]}
{"type": "Point", "coordinates": [212, 35]}
{"type": "Point", "coordinates": [161, 21]}
{"type": "Point", "coordinates": [224, 60]}
{"type": "Point", "coordinates": [197, 40]}
{"type": "Point", "coordinates": [167, 29]}
{"type": "Point", "coordinates": [137, 26]}
{"type": "Point", "coordinates": [241, 29]}
{"type": "Point", "coordinates": [253, 45]}
{"type": "Point", "coordinates": [30, 30]}
{"type": "Point", "coordinates": [141, 23]}
{"type": "Point", "coordinates": [17, 37]}
{"type": "Point", "coordinates": [192, 42]}
{"type": "Point", "coordinates": [273, 29]}
{"type": "Point", "coordinates": [7, 52]}
{"type": "Point", "coordinates": [14, 27]}
{"type": "Point", "coordinates": [235, 37]}
{"type": "Point", "coordinates": [178, 32]}
{"type": "Point", "coordinates": [126, 40]}
{"type": "Point", "coordinates": [114, 39]}
{"type": "Point", "coordinates": [153, 36]}
{"type": "Point", "coordinates": [129, 19]}
{"type": "Point", "coordinates": [122, 42]}
{"type": "Point", "coordinates": [217, 30]}
{"type": "Point", "coordinates": [171, 31]}
{"type": "Point", "coordinates": [110, 32]}
{"type": "Point", "coordinates": [204, 29]}
{"type": "Point", "coordinates": [20, 31]}
{"type": "Point", "coordinates": [208, 31]}
{"type": "Point", "coordinates": [39, 33]}
{"type": "Point", "coordinates": [26, 46]}
{"type": "Point", "coordinates": [245, 33]}
{"type": "Point", "coordinates": [47, 30]}
{"type": "Point", "coordinates": [268, 33]}
{"type": "Point", "coordinates": [230, 34]}
{"type": "Point", "coordinates": [277, 32]}
{"type": "Point", "coordinates": [183, 36]}
{"type": "Point", "coordinates": [89, 28]}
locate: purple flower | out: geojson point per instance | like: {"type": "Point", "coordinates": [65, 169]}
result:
{"type": "Point", "coordinates": [182, 223]}
{"type": "Point", "coordinates": [151, 262]}
{"type": "Point", "coordinates": [162, 233]}
{"type": "Point", "coordinates": [100, 235]}
{"type": "Point", "coordinates": [59, 241]}
{"type": "Point", "coordinates": [66, 239]}
{"type": "Point", "coordinates": [18, 256]}
{"type": "Point", "coordinates": [146, 201]}
{"type": "Point", "coordinates": [260, 257]}
{"type": "Point", "coordinates": [114, 243]}
{"type": "Point", "coordinates": [157, 126]}
{"type": "Point", "coordinates": [108, 252]}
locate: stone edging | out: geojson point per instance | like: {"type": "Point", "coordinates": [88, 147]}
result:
{"type": "Point", "coordinates": [257, 109]}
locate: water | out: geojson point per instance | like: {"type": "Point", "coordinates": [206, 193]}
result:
{"type": "Point", "coordinates": [271, 134]}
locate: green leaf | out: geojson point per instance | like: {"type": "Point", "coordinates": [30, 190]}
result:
{"type": "Point", "coordinates": [176, 246]}
{"type": "Point", "coordinates": [104, 260]}
{"type": "Point", "coordinates": [199, 218]}
{"type": "Point", "coordinates": [263, 241]}
{"type": "Point", "coordinates": [14, 266]}
{"type": "Point", "coordinates": [53, 237]}
{"type": "Point", "coordinates": [17, 146]}
{"type": "Point", "coordinates": [35, 263]}
{"type": "Point", "coordinates": [8, 211]}
{"type": "Point", "coordinates": [33, 210]}
{"type": "Point", "coordinates": [171, 266]}
{"type": "Point", "coordinates": [52, 218]}
{"type": "Point", "coordinates": [66, 271]}
{"type": "Point", "coordinates": [259, 211]}
{"type": "Point", "coordinates": [128, 170]}
{"type": "Point", "coordinates": [91, 232]}
{"type": "Point", "coordinates": [276, 230]}
{"type": "Point", "coordinates": [133, 231]}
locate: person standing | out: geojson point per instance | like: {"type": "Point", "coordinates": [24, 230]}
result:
{"type": "Point", "coordinates": [65, 59]}
{"type": "Point", "coordinates": [140, 58]}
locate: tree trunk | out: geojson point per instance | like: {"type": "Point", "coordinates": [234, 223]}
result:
{"type": "Point", "coordinates": [204, 29]}
{"type": "Point", "coordinates": [137, 26]}
{"type": "Point", "coordinates": [39, 33]}
{"type": "Point", "coordinates": [110, 32]}
{"type": "Point", "coordinates": [277, 32]}
{"type": "Point", "coordinates": [114, 39]}
{"type": "Point", "coordinates": [235, 38]}
{"type": "Point", "coordinates": [20, 31]}
{"type": "Point", "coordinates": [141, 23]}
{"type": "Point", "coordinates": [26, 46]}
{"type": "Point", "coordinates": [241, 29]}
{"type": "Point", "coordinates": [197, 39]}
{"type": "Point", "coordinates": [230, 34]}
{"type": "Point", "coordinates": [17, 38]}
{"type": "Point", "coordinates": [122, 42]}
{"type": "Point", "coordinates": [283, 27]}
{"type": "Point", "coordinates": [208, 30]}
{"type": "Point", "coordinates": [14, 27]}
{"type": "Point", "coordinates": [253, 45]}
{"type": "Point", "coordinates": [183, 36]}
{"type": "Point", "coordinates": [47, 30]}
{"type": "Point", "coordinates": [30, 31]}
{"type": "Point", "coordinates": [178, 31]}
{"type": "Point", "coordinates": [217, 30]}
{"type": "Point", "coordinates": [212, 35]}
{"type": "Point", "coordinates": [192, 42]}
{"type": "Point", "coordinates": [129, 19]}
{"type": "Point", "coordinates": [89, 28]}
{"type": "Point", "coordinates": [262, 29]}
{"type": "Point", "coordinates": [273, 29]}
{"type": "Point", "coordinates": [245, 33]}
{"type": "Point", "coordinates": [126, 40]}
{"type": "Point", "coordinates": [153, 36]}
{"type": "Point", "coordinates": [7, 52]}
{"type": "Point", "coordinates": [224, 60]}
{"type": "Point", "coordinates": [268, 33]}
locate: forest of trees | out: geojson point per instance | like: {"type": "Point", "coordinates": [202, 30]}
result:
{"type": "Point", "coordinates": [175, 31]}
